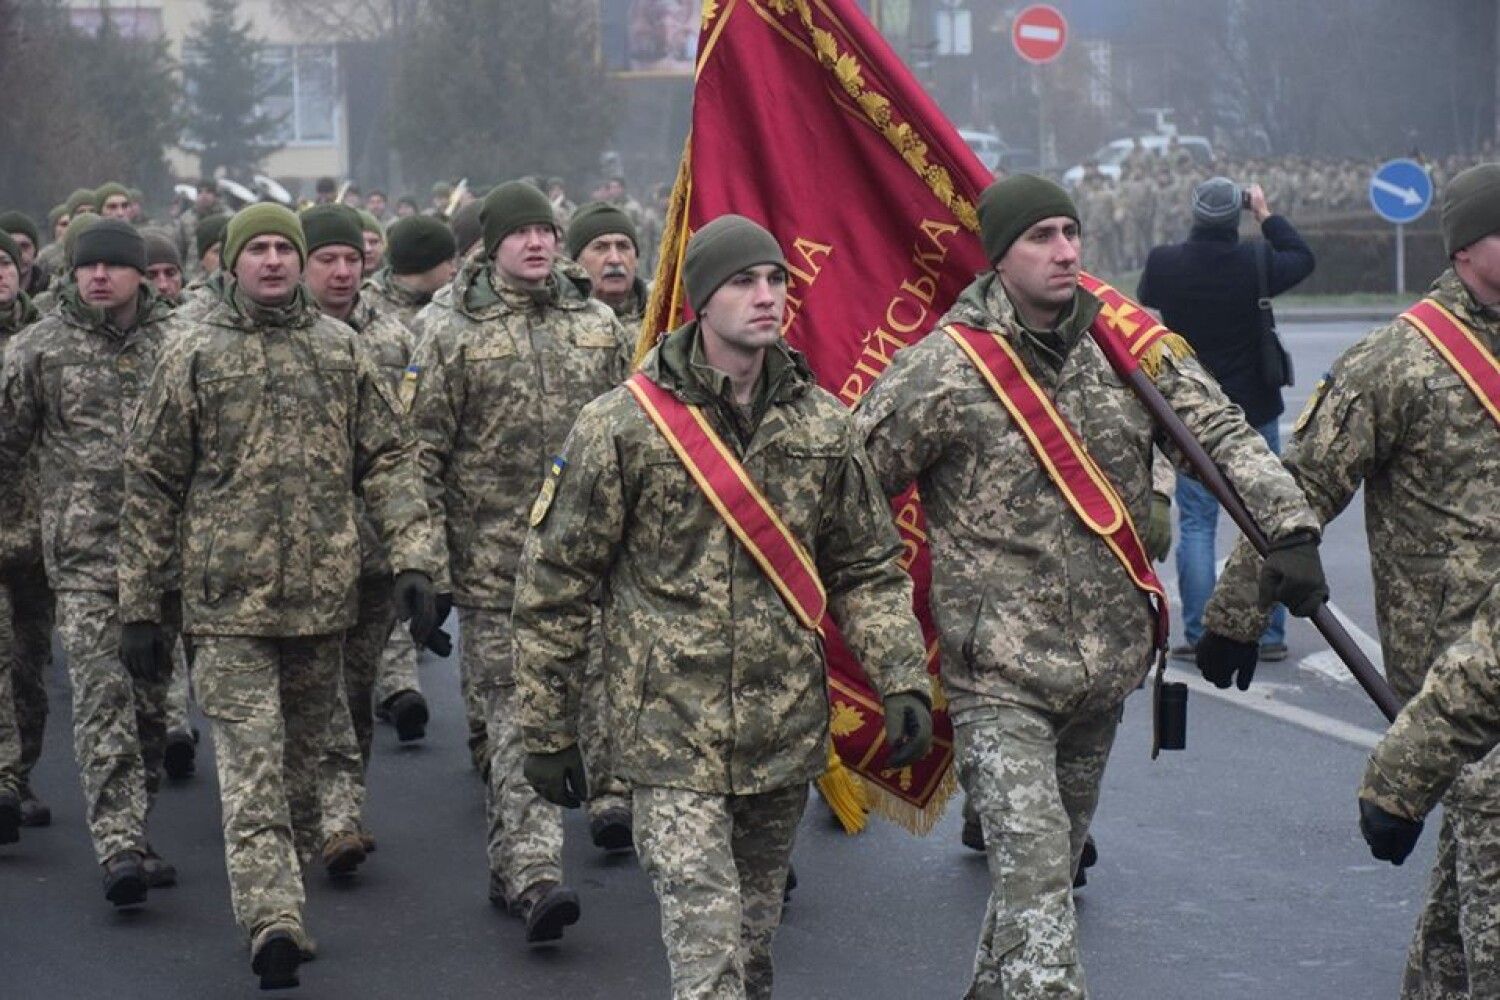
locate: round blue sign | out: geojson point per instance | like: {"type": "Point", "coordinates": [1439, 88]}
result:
{"type": "Point", "coordinates": [1400, 190]}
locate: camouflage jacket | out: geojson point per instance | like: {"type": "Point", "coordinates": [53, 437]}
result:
{"type": "Point", "coordinates": [1394, 417]}
{"type": "Point", "coordinates": [20, 520]}
{"type": "Point", "coordinates": [495, 383]}
{"type": "Point", "coordinates": [259, 430]}
{"type": "Point", "coordinates": [384, 288]}
{"type": "Point", "coordinates": [1452, 721]}
{"type": "Point", "coordinates": [201, 296]}
{"type": "Point", "coordinates": [71, 385]}
{"type": "Point", "coordinates": [1031, 606]}
{"type": "Point", "coordinates": [389, 344]}
{"type": "Point", "coordinates": [713, 684]}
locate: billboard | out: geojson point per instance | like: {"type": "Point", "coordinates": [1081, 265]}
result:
{"type": "Point", "coordinates": [650, 37]}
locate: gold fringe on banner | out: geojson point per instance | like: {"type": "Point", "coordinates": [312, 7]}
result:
{"type": "Point", "coordinates": [919, 821]}
{"type": "Point", "coordinates": [845, 792]}
{"type": "Point", "coordinates": [664, 306]}
{"type": "Point", "coordinates": [1173, 344]}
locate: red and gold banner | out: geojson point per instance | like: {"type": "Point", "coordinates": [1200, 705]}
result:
{"type": "Point", "coordinates": [805, 121]}
{"type": "Point", "coordinates": [732, 493]}
{"type": "Point", "coordinates": [1461, 349]}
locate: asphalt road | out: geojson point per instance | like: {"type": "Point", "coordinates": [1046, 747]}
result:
{"type": "Point", "coordinates": [1231, 870]}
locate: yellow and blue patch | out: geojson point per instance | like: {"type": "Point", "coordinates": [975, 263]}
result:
{"type": "Point", "coordinates": [548, 492]}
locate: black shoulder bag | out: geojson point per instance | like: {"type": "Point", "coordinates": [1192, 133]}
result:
{"type": "Point", "coordinates": [1275, 363]}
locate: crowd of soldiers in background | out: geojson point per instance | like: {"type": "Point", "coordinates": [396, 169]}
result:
{"type": "Point", "coordinates": [1151, 202]}
{"type": "Point", "coordinates": [455, 203]}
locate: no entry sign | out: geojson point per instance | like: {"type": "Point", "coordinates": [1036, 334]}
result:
{"type": "Point", "coordinates": [1039, 33]}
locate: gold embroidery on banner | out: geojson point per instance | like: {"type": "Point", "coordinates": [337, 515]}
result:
{"type": "Point", "coordinates": [710, 11]}
{"type": "Point", "coordinates": [845, 719]}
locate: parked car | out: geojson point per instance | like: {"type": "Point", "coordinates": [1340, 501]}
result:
{"type": "Point", "coordinates": [1111, 155]}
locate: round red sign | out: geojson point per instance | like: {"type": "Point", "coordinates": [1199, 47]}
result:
{"type": "Point", "coordinates": [1039, 33]}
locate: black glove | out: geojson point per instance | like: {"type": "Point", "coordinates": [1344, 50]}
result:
{"type": "Point", "coordinates": [440, 642]}
{"type": "Point", "coordinates": [416, 601]}
{"type": "Point", "coordinates": [144, 650]}
{"type": "Point", "coordinates": [1293, 575]}
{"type": "Point", "coordinates": [558, 777]}
{"type": "Point", "coordinates": [908, 728]}
{"type": "Point", "coordinates": [443, 605]}
{"type": "Point", "coordinates": [1221, 658]}
{"type": "Point", "coordinates": [1391, 838]}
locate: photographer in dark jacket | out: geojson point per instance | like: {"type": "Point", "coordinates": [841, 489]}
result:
{"type": "Point", "coordinates": [1208, 289]}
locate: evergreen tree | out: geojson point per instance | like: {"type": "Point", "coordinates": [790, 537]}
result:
{"type": "Point", "coordinates": [495, 90]}
{"type": "Point", "coordinates": [133, 84]}
{"type": "Point", "coordinates": [225, 86]}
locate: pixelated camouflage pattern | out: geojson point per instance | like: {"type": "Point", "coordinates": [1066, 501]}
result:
{"type": "Point", "coordinates": [260, 429]}
{"type": "Point", "coordinates": [713, 684]}
{"type": "Point", "coordinates": [718, 865]}
{"type": "Point", "coordinates": [69, 388]}
{"type": "Point", "coordinates": [262, 693]}
{"type": "Point", "coordinates": [32, 616]}
{"type": "Point", "coordinates": [199, 297]}
{"type": "Point", "coordinates": [1033, 781]}
{"type": "Point", "coordinates": [525, 830]}
{"type": "Point", "coordinates": [119, 720]}
{"type": "Point", "coordinates": [352, 721]}
{"type": "Point", "coordinates": [10, 734]}
{"type": "Point", "coordinates": [1032, 607]}
{"type": "Point", "coordinates": [1453, 721]}
{"type": "Point", "coordinates": [1394, 417]}
{"type": "Point", "coordinates": [388, 295]}
{"type": "Point", "coordinates": [502, 376]}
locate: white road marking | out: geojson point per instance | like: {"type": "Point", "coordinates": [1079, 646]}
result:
{"type": "Point", "coordinates": [1259, 699]}
{"type": "Point", "coordinates": [1326, 662]}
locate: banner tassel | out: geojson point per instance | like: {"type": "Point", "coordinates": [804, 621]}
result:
{"type": "Point", "coordinates": [845, 795]}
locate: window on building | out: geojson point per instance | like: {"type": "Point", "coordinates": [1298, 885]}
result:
{"type": "Point", "coordinates": [302, 90]}
{"type": "Point", "coordinates": [130, 20]}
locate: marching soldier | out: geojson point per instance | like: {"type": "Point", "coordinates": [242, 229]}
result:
{"type": "Point", "coordinates": [509, 353]}
{"type": "Point", "coordinates": [71, 385]}
{"type": "Point", "coordinates": [715, 668]}
{"type": "Point", "coordinates": [421, 256]}
{"type": "Point", "coordinates": [264, 424]}
{"type": "Point", "coordinates": [28, 241]}
{"type": "Point", "coordinates": [1399, 415]}
{"type": "Point", "coordinates": [1046, 619]}
{"type": "Point", "coordinates": [602, 239]}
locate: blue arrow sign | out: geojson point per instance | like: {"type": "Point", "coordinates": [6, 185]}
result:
{"type": "Point", "coordinates": [1400, 191]}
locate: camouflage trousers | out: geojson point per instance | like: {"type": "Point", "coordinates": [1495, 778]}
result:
{"type": "Point", "coordinates": [607, 790]}
{"type": "Point", "coordinates": [10, 736]}
{"type": "Point", "coordinates": [179, 691]}
{"type": "Point", "coordinates": [31, 617]}
{"type": "Point", "coordinates": [525, 836]}
{"type": "Point", "coordinates": [474, 708]}
{"type": "Point", "coordinates": [1455, 952]}
{"type": "Point", "coordinates": [119, 721]}
{"type": "Point", "coordinates": [351, 723]}
{"type": "Point", "coordinates": [397, 671]}
{"type": "Point", "coordinates": [1033, 779]}
{"type": "Point", "coordinates": [718, 864]}
{"type": "Point", "coordinates": [269, 701]}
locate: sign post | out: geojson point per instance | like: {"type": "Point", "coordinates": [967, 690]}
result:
{"type": "Point", "coordinates": [1038, 34]}
{"type": "Point", "coordinates": [1400, 191]}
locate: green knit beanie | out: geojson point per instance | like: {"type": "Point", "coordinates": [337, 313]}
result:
{"type": "Point", "coordinates": [596, 219]}
{"type": "Point", "coordinates": [332, 225]}
{"type": "Point", "coordinates": [9, 248]}
{"type": "Point", "coordinates": [106, 191]}
{"type": "Point", "coordinates": [1009, 207]}
{"type": "Point", "coordinates": [465, 223]}
{"type": "Point", "coordinates": [1471, 206]}
{"type": "Point", "coordinates": [368, 223]}
{"type": "Point", "coordinates": [110, 241]}
{"type": "Point", "coordinates": [264, 218]}
{"type": "Point", "coordinates": [55, 213]}
{"type": "Point", "coordinates": [210, 231]}
{"type": "Point", "coordinates": [509, 207]}
{"type": "Point", "coordinates": [76, 228]}
{"type": "Point", "coordinates": [722, 249]}
{"type": "Point", "coordinates": [79, 198]}
{"type": "Point", "coordinates": [17, 222]}
{"type": "Point", "coordinates": [419, 243]}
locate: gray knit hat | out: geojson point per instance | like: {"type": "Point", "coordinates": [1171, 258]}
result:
{"type": "Point", "coordinates": [161, 248]}
{"type": "Point", "coordinates": [110, 241]}
{"type": "Point", "coordinates": [596, 219]}
{"type": "Point", "coordinates": [1217, 202]}
{"type": "Point", "coordinates": [419, 243]}
{"type": "Point", "coordinates": [722, 249]}
{"type": "Point", "coordinates": [1471, 206]}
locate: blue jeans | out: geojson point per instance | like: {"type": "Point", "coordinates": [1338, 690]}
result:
{"type": "Point", "coordinates": [1197, 523]}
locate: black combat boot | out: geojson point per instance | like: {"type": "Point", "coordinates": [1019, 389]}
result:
{"type": "Point", "coordinates": [547, 907]}
{"type": "Point", "coordinates": [125, 879]}
{"type": "Point", "coordinates": [276, 961]}
{"type": "Point", "coordinates": [10, 817]}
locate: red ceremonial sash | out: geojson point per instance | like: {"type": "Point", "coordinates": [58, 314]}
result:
{"type": "Point", "coordinates": [1065, 460]}
{"type": "Point", "coordinates": [738, 500]}
{"type": "Point", "coordinates": [1461, 349]}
